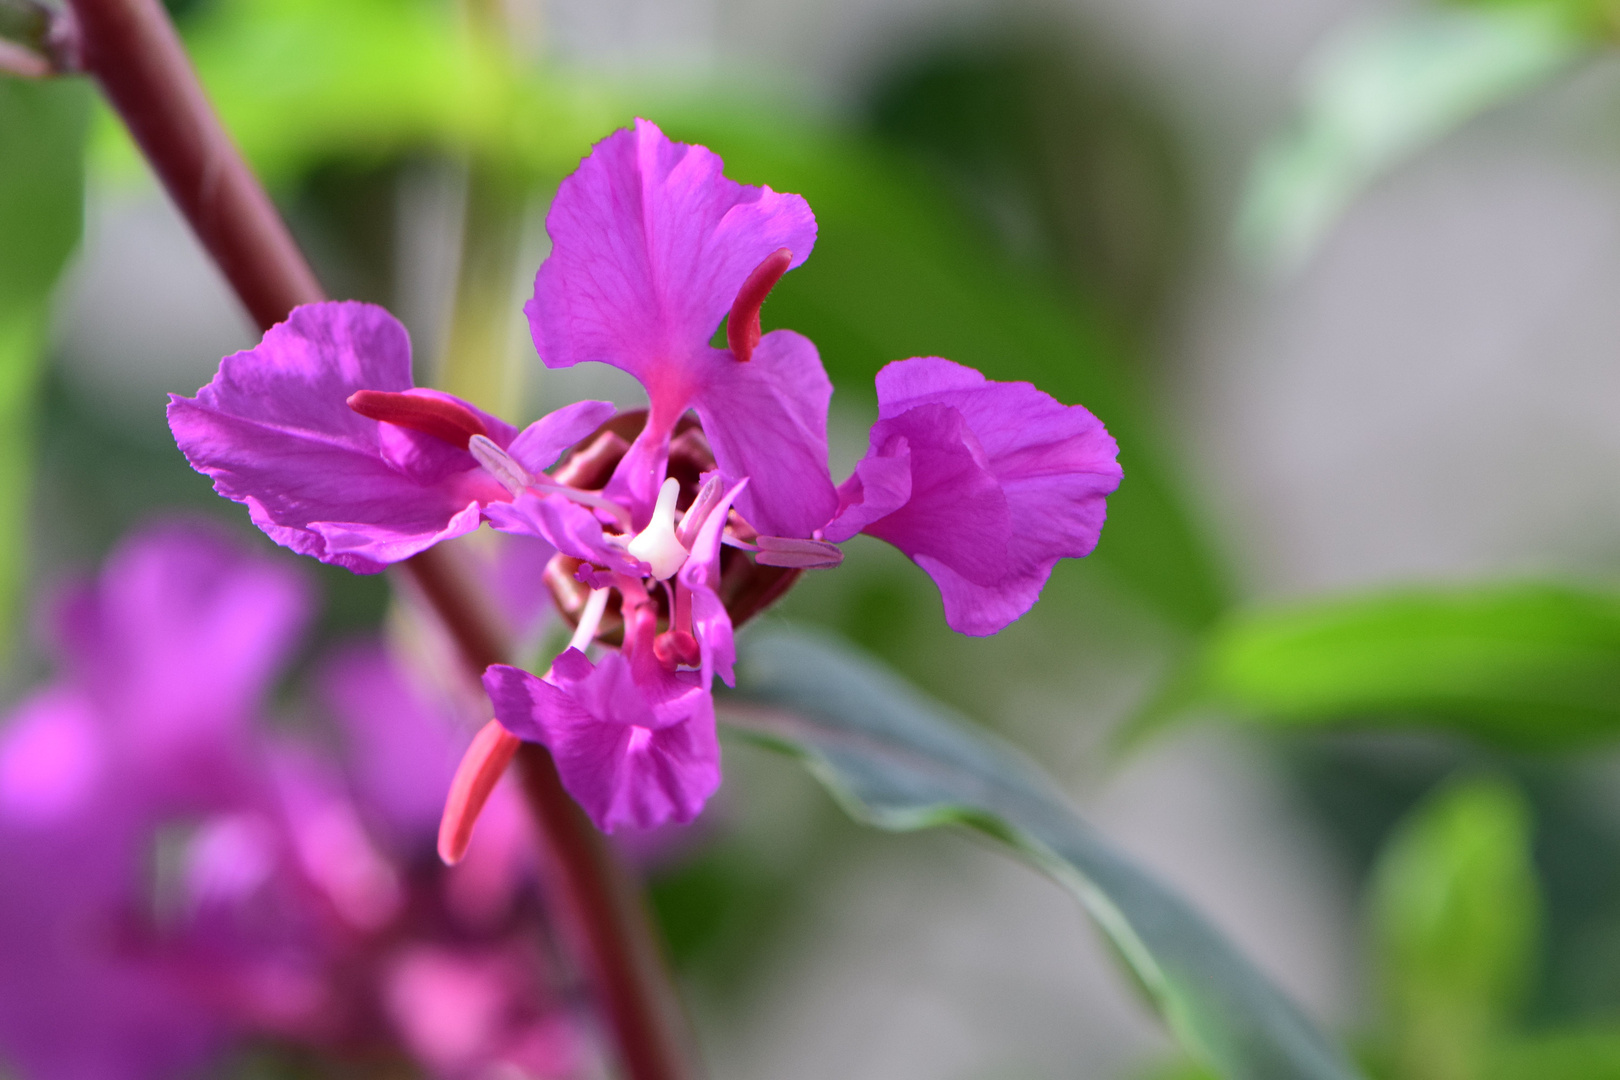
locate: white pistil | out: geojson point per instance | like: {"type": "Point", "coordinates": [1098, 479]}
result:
{"type": "Point", "coordinates": [501, 465]}
{"type": "Point", "coordinates": [657, 545]}
{"type": "Point", "coordinates": [589, 619]}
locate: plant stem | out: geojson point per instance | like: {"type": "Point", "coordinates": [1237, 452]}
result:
{"type": "Point", "coordinates": [132, 49]}
{"type": "Point", "coordinates": [477, 360]}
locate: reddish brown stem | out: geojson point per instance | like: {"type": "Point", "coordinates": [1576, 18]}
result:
{"type": "Point", "coordinates": [131, 48]}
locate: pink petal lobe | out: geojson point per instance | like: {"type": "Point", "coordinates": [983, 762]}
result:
{"type": "Point", "coordinates": [632, 750]}
{"type": "Point", "coordinates": [650, 245]}
{"type": "Point", "coordinates": [985, 485]}
{"type": "Point", "coordinates": [273, 430]}
{"type": "Point", "coordinates": [767, 421]}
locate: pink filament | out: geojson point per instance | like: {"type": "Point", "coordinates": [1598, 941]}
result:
{"type": "Point", "coordinates": [448, 420]}
{"type": "Point", "coordinates": [742, 327]}
{"type": "Point", "coordinates": [480, 770]}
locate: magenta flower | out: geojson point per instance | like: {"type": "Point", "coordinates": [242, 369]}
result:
{"type": "Point", "coordinates": [296, 902]}
{"type": "Point", "coordinates": [985, 485]}
{"type": "Point", "coordinates": [319, 432]}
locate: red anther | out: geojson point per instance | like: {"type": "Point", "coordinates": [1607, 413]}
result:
{"type": "Point", "coordinates": [742, 327]}
{"type": "Point", "coordinates": [674, 647]}
{"type": "Point", "coordinates": [480, 770]}
{"type": "Point", "coordinates": [430, 414]}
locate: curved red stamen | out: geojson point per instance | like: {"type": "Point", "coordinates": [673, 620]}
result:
{"type": "Point", "coordinates": [742, 326]}
{"type": "Point", "coordinates": [674, 647]}
{"type": "Point", "coordinates": [451, 421]}
{"type": "Point", "coordinates": [480, 770]}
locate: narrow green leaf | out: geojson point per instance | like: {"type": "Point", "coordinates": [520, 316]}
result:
{"type": "Point", "coordinates": [1530, 666]}
{"type": "Point", "coordinates": [1378, 94]}
{"type": "Point", "coordinates": [42, 131]}
{"type": "Point", "coordinates": [1455, 925]}
{"type": "Point", "coordinates": [1592, 1054]}
{"type": "Point", "coordinates": [899, 761]}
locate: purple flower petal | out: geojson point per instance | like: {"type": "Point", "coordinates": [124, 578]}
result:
{"type": "Point", "coordinates": [767, 420]}
{"type": "Point", "coordinates": [650, 245]}
{"type": "Point", "coordinates": [1003, 482]}
{"type": "Point", "coordinates": [274, 432]}
{"type": "Point", "coordinates": [538, 446]}
{"type": "Point", "coordinates": [567, 526]}
{"type": "Point", "coordinates": [180, 638]}
{"type": "Point", "coordinates": [628, 752]}
{"type": "Point", "coordinates": [52, 755]}
{"type": "Point", "coordinates": [402, 747]}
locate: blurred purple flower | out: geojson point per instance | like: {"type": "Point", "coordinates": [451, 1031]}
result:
{"type": "Point", "coordinates": [179, 878]}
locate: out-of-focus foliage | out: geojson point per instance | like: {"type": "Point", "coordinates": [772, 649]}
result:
{"type": "Point", "coordinates": [1529, 665]}
{"type": "Point", "coordinates": [1454, 921]}
{"type": "Point", "coordinates": [1379, 92]}
{"type": "Point", "coordinates": [899, 761]}
{"type": "Point", "coordinates": [898, 273]}
{"type": "Point", "coordinates": [42, 132]}
{"type": "Point", "coordinates": [899, 270]}
{"type": "Point", "coordinates": [1572, 1055]}
{"type": "Point", "coordinates": [1072, 166]}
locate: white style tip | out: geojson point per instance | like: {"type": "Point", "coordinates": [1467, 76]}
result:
{"type": "Point", "coordinates": [657, 545]}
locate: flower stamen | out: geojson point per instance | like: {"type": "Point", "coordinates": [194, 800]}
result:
{"type": "Point", "coordinates": [501, 465]}
{"type": "Point", "coordinates": [742, 325]}
{"type": "Point", "coordinates": [696, 514]}
{"type": "Point", "coordinates": [448, 420]}
{"type": "Point", "coordinates": [481, 768]}
{"type": "Point", "coordinates": [589, 620]}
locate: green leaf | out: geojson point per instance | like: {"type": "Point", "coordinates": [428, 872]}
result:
{"type": "Point", "coordinates": [42, 132]}
{"type": "Point", "coordinates": [898, 761]}
{"type": "Point", "coordinates": [301, 83]}
{"type": "Point", "coordinates": [1529, 666]}
{"type": "Point", "coordinates": [899, 272]}
{"type": "Point", "coordinates": [899, 269]}
{"type": "Point", "coordinates": [1378, 94]}
{"type": "Point", "coordinates": [1592, 1054]}
{"type": "Point", "coordinates": [1455, 922]}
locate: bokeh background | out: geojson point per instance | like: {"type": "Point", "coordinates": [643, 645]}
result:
{"type": "Point", "coordinates": [1047, 189]}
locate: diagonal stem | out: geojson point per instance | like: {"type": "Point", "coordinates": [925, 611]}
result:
{"type": "Point", "coordinates": [131, 48]}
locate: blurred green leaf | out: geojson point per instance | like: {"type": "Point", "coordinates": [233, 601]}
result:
{"type": "Point", "coordinates": [303, 82]}
{"type": "Point", "coordinates": [42, 132]}
{"type": "Point", "coordinates": [898, 761]}
{"type": "Point", "coordinates": [899, 272]}
{"type": "Point", "coordinates": [1567, 1055]}
{"type": "Point", "coordinates": [1455, 924]}
{"type": "Point", "coordinates": [1382, 91]}
{"type": "Point", "coordinates": [1531, 666]}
